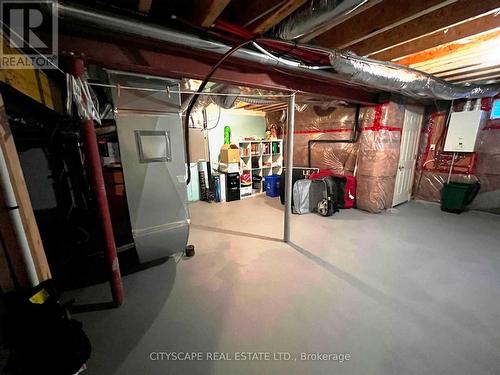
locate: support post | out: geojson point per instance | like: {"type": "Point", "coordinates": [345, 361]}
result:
{"type": "Point", "coordinates": [93, 159]}
{"type": "Point", "coordinates": [289, 166]}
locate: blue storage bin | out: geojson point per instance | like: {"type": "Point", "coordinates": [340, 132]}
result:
{"type": "Point", "coordinates": [273, 185]}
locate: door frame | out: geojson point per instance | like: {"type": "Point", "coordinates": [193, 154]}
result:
{"type": "Point", "coordinates": [421, 111]}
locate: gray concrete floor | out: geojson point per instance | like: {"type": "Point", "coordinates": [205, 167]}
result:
{"type": "Point", "coordinates": [412, 291]}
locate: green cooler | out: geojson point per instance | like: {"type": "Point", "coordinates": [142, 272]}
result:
{"type": "Point", "coordinates": [456, 196]}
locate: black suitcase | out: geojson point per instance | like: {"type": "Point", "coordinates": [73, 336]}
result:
{"type": "Point", "coordinates": [323, 196]}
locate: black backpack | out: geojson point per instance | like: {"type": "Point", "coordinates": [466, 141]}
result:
{"type": "Point", "coordinates": [43, 339]}
{"type": "Point", "coordinates": [323, 196]}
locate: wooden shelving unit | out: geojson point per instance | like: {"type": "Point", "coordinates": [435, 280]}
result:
{"type": "Point", "coordinates": [259, 158]}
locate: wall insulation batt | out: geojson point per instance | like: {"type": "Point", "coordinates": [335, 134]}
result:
{"type": "Point", "coordinates": [483, 166]}
{"type": "Point", "coordinates": [376, 150]}
{"type": "Point", "coordinates": [378, 158]}
{"type": "Point", "coordinates": [315, 123]}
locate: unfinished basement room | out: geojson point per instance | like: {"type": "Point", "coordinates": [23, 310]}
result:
{"type": "Point", "coordinates": [250, 187]}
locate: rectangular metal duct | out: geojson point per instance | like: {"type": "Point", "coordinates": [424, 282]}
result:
{"type": "Point", "coordinates": [152, 154]}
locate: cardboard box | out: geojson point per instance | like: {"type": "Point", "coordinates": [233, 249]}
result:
{"type": "Point", "coordinates": [229, 154]}
{"type": "Point", "coordinates": [229, 167]}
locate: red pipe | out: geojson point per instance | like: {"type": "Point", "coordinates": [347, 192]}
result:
{"type": "Point", "coordinates": [93, 160]}
{"type": "Point", "coordinates": [299, 52]}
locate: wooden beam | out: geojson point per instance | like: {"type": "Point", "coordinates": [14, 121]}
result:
{"type": "Point", "coordinates": [495, 77]}
{"type": "Point", "coordinates": [205, 12]}
{"type": "Point", "coordinates": [465, 69]}
{"type": "Point", "coordinates": [474, 73]}
{"type": "Point", "coordinates": [168, 60]}
{"type": "Point", "coordinates": [440, 20]}
{"type": "Point", "coordinates": [31, 82]}
{"type": "Point", "coordinates": [461, 31]}
{"type": "Point", "coordinates": [270, 106]}
{"type": "Point", "coordinates": [377, 19]}
{"type": "Point", "coordinates": [447, 49]}
{"type": "Point", "coordinates": [9, 150]}
{"type": "Point", "coordinates": [275, 17]}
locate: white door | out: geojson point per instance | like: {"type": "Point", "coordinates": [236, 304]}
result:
{"type": "Point", "coordinates": [408, 154]}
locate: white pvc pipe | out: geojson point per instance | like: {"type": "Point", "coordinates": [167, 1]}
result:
{"type": "Point", "coordinates": [15, 217]}
{"type": "Point", "coordinates": [289, 167]}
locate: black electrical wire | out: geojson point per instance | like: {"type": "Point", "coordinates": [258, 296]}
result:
{"type": "Point", "coordinates": [194, 99]}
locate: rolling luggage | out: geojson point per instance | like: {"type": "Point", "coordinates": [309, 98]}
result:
{"type": "Point", "coordinates": [298, 173]}
{"type": "Point", "coordinates": [301, 196]}
{"type": "Point", "coordinates": [346, 186]}
{"type": "Point", "coordinates": [323, 196]}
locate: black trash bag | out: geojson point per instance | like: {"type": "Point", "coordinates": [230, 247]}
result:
{"type": "Point", "coordinates": [42, 337]}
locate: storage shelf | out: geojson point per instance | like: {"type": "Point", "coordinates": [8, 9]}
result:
{"type": "Point", "coordinates": [263, 153]}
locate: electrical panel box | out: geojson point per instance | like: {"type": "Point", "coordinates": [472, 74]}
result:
{"type": "Point", "coordinates": [463, 130]}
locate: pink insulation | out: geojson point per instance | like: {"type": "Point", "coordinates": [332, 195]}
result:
{"type": "Point", "coordinates": [431, 175]}
{"type": "Point", "coordinates": [378, 155]}
{"type": "Point", "coordinates": [317, 123]}
{"type": "Point", "coordinates": [430, 183]}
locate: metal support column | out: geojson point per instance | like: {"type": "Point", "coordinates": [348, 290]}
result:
{"type": "Point", "coordinates": [289, 166]}
{"type": "Point", "coordinates": [96, 178]}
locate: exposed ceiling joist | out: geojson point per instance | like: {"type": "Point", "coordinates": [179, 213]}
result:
{"type": "Point", "coordinates": [444, 50]}
{"type": "Point", "coordinates": [381, 17]}
{"type": "Point", "coordinates": [206, 11]}
{"type": "Point", "coordinates": [469, 71]}
{"type": "Point", "coordinates": [483, 74]}
{"type": "Point", "coordinates": [441, 19]}
{"type": "Point", "coordinates": [489, 79]}
{"type": "Point", "coordinates": [463, 30]}
{"type": "Point", "coordinates": [266, 107]}
{"type": "Point", "coordinates": [144, 6]}
{"type": "Point", "coordinates": [283, 10]}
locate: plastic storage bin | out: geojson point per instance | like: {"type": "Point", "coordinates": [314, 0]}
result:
{"type": "Point", "coordinates": [455, 196]}
{"type": "Point", "coordinates": [273, 185]}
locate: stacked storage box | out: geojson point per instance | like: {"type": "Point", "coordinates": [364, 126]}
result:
{"type": "Point", "coordinates": [378, 156]}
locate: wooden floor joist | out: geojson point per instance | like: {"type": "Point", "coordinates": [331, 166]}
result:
{"type": "Point", "coordinates": [486, 24]}
{"type": "Point", "coordinates": [8, 148]}
{"type": "Point", "coordinates": [450, 16]}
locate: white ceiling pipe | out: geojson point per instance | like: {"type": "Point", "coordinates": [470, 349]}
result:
{"type": "Point", "coordinates": [17, 224]}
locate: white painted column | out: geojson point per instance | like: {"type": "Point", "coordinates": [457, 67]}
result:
{"type": "Point", "coordinates": [289, 166]}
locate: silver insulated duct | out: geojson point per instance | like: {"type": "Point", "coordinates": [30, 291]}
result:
{"type": "Point", "coordinates": [317, 17]}
{"type": "Point", "coordinates": [411, 82]}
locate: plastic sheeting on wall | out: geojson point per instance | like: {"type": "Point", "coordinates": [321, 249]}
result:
{"type": "Point", "coordinates": [431, 155]}
{"type": "Point", "coordinates": [378, 155]}
{"type": "Point", "coordinates": [314, 127]}
{"type": "Point", "coordinates": [430, 183]}
{"type": "Point", "coordinates": [488, 168]}
{"type": "Point", "coordinates": [432, 175]}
